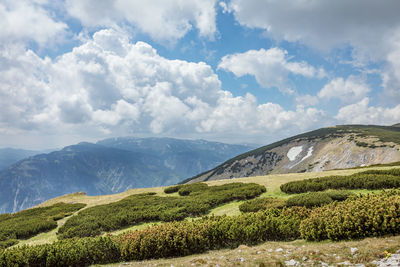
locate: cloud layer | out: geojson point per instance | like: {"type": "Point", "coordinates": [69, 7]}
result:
{"type": "Point", "coordinates": [28, 21]}
{"type": "Point", "coordinates": [110, 85]}
{"type": "Point", "coordinates": [162, 20]}
{"type": "Point", "coordinates": [370, 28]}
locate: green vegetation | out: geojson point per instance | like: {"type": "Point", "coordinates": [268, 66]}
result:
{"type": "Point", "coordinates": [372, 179]}
{"type": "Point", "coordinates": [165, 240]}
{"type": "Point", "coordinates": [368, 215]}
{"type": "Point", "coordinates": [356, 217]}
{"type": "Point", "coordinates": [363, 144]}
{"type": "Point", "coordinates": [309, 200]}
{"type": "Point", "coordinates": [317, 199]}
{"type": "Point", "coordinates": [393, 164]}
{"type": "Point", "coordinates": [172, 189]}
{"type": "Point", "coordinates": [197, 200]}
{"type": "Point", "coordinates": [264, 203]}
{"type": "Point", "coordinates": [27, 223]}
{"type": "Point", "coordinates": [184, 238]}
{"type": "Point", "coordinates": [72, 252]}
{"type": "Point", "coordinates": [314, 216]}
{"type": "Point", "coordinates": [187, 189]}
{"type": "Point", "coordinates": [383, 133]}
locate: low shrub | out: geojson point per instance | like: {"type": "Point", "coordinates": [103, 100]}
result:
{"type": "Point", "coordinates": [373, 179]}
{"type": "Point", "coordinates": [27, 223]}
{"type": "Point", "coordinates": [313, 199]}
{"type": "Point", "coordinates": [317, 199]}
{"type": "Point", "coordinates": [364, 216]}
{"type": "Point", "coordinates": [186, 189]}
{"type": "Point", "coordinates": [146, 208]}
{"type": "Point", "coordinates": [172, 189]}
{"type": "Point", "coordinates": [72, 252]}
{"type": "Point", "coordinates": [339, 195]}
{"type": "Point", "coordinates": [165, 240]}
{"type": "Point", "coordinates": [7, 243]}
{"type": "Point", "coordinates": [184, 238]}
{"type": "Point", "coordinates": [262, 204]}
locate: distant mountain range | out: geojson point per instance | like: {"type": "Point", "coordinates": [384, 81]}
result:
{"type": "Point", "coordinates": [109, 166]}
{"type": "Point", "coordinates": [117, 164]}
{"type": "Point", "coordinates": [343, 146]}
{"type": "Point", "coordinates": [9, 156]}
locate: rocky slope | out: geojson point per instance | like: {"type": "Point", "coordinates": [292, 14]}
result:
{"type": "Point", "coordinates": [329, 148]}
{"type": "Point", "coordinates": [111, 166]}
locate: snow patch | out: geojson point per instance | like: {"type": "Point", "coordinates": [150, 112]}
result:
{"type": "Point", "coordinates": [309, 153]}
{"type": "Point", "coordinates": [294, 152]}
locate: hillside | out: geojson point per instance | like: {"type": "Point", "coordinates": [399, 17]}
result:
{"type": "Point", "coordinates": [284, 247]}
{"type": "Point", "coordinates": [344, 146]}
{"type": "Point", "coordinates": [111, 166]}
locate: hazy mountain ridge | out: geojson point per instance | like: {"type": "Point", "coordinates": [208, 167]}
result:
{"type": "Point", "coordinates": [9, 156]}
{"type": "Point", "coordinates": [344, 146]}
{"type": "Point", "coordinates": [186, 157]}
{"type": "Point", "coordinates": [110, 166]}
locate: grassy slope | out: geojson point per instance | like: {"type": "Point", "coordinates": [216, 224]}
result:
{"type": "Point", "coordinates": [271, 182]}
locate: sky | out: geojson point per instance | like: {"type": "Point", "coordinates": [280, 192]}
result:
{"type": "Point", "coordinates": [238, 71]}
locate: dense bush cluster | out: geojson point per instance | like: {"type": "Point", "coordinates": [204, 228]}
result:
{"type": "Point", "coordinates": [309, 200]}
{"type": "Point", "coordinates": [373, 179]}
{"type": "Point", "coordinates": [165, 240]}
{"type": "Point", "coordinates": [184, 238]}
{"type": "Point", "coordinates": [172, 189]}
{"type": "Point", "coordinates": [369, 215]}
{"type": "Point", "coordinates": [339, 195]}
{"type": "Point", "coordinates": [145, 208]}
{"type": "Point", "coordinates": [317, 199]}
{"type": "Point", "coordinates": [72, 252]}
{"type": "Point", "coordinates": [187, 189]}
{"type": "Point", "coordinates": [30, 222]}
{"type": "Point", "coordinates": [263, 203]}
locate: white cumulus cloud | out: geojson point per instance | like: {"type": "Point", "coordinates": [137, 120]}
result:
{"type": "Point", "coordinates": [347, 90]}
{"type": "Point", "coordinates": [110, 86]}
{"type": "Point", "coordinates": [362, 113]}
{"type": "Point", "coordinates": [28, 21]}
{"type": "Point", "coordinates": [270, 67]}
{"type": "Point", "coordinates": [162, 20]}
